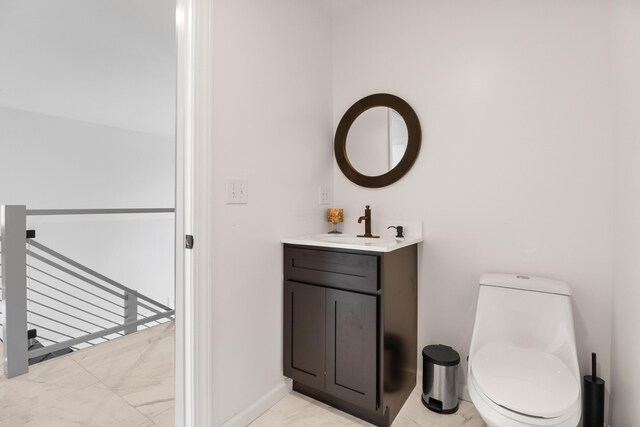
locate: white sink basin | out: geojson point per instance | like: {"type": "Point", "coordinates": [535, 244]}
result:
{"type": "Point", "coordinates": [349, 239]}
{"type": "Point", "coordinates": [352, 241]}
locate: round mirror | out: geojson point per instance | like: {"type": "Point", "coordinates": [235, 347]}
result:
{"type": "Point", "coordinates": [377, 140]}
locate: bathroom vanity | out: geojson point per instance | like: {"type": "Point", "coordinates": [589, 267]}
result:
{"type": "Point", "coordinates": [350, 322]}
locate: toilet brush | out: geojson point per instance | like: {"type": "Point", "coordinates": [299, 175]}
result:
{"type": "Point", "coordinates": [593, 404]}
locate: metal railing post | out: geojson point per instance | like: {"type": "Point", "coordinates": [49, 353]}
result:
{"type": "Point", "coordinates": [130, 312]}
{"type": "Point", "coordinates": [13, 223]}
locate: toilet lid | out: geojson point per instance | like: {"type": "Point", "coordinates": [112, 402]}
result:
{"type": "Point", "coordinates": [523, 380]}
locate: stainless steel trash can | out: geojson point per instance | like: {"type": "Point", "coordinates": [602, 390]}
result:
{"type": "Point", "coordinates": [439, 378]}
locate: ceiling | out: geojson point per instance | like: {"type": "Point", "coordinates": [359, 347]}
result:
{"type": "Point", "coordinates": [108, 62]}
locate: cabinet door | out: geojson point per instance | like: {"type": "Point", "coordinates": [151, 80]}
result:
{"type": "Point", "coordinates": [304, 334]}
{"type": "Point", "coordinates": [351, 347]}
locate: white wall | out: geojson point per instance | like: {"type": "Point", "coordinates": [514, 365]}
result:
{"type": "Point", "coordinates": [625, 381]}
{"type": "Point", "coordinates": [110, 62]}
{"type": "Point", "coordinates": [271, 125]}
{"type": "Point", "coordinates": [48, 162]}
{"type": "Point", "coordinates": [515, 171]}
{"type": "Point", "coordinates": [101, 78]}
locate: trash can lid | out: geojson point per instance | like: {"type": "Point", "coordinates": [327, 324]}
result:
{"type": "Point", "coordinates": [440, 354]}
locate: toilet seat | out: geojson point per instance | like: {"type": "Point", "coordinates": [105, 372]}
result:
{"type": "Point", "coordinates": [527, 382]}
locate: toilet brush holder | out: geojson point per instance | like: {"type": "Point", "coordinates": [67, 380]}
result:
{"type": "Point", "coordinates": [593, 403]}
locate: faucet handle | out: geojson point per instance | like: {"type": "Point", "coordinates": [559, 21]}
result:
{"type": "Point", "coordinates": [399, 230]}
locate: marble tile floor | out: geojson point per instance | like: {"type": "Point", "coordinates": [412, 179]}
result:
{"type": "Point", "coordinates": [129, 382]}
{"type": "Point", "coordinates": [297, 410]}
{"type": "Point", "coordinates": [125, 382]}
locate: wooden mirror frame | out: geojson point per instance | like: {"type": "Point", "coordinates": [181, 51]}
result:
{"type": "Point", "coordinates": [413, 144]}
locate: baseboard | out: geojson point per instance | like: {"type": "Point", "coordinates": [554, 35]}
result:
{"type": "Point", "coordinates": [248, 415]}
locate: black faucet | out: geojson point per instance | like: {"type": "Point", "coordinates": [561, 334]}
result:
{"type": "Point", "coordinates": [367, 223]}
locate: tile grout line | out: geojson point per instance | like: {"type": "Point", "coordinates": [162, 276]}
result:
{"type": "Point", "coordinates": [71, 391]}
{"type": "Point", "coordinates": [163, 411]}
{"type": "Point", "coordinates": [163, 335]}
{"type": "Point", "coordinates": [114, 392]}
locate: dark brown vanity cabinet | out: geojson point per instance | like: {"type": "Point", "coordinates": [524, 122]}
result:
{"type": "Point", "coordinates": [350, 327]}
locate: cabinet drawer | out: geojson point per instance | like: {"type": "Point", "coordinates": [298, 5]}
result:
{"type": "Point", "coordinates": [350, 271]}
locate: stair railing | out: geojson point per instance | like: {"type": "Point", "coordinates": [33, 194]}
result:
{"type": "Point", "coordinates": [70, 305]}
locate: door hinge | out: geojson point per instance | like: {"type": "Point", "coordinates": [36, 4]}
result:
{"type": "Point", "coordinates": [188, 241]}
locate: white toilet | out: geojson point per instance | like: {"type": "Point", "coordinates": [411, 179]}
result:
{"type": "Point", "coordinates": [523, 368]}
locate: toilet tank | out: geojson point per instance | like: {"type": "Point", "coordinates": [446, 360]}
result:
{"type": "Point", "coordinates": [526, 311]}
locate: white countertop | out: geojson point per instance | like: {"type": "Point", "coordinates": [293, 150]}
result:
{"type": "Point", "coordinates": [351, 241]}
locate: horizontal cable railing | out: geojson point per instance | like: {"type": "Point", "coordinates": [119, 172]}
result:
{"type": "Point", "coordinates": [51, 304]}
{"type": "Point", "coordinates": [93, 273]}
{"type": "Point", "coordinates": [74, 306]}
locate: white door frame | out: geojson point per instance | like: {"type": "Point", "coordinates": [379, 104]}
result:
{"type": "Point", "coordinates": [193, 386]}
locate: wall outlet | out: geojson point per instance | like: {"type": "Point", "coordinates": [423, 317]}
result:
{"type": "Point", "coordinates": [237, 191]}
{"type": "Point", "coordinates": [324, 195]}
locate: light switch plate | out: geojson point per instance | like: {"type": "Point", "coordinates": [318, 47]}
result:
{"type": "Point", "coordinates": [237, 191]}
{"type": "Point", "coordinates": [324, 195]}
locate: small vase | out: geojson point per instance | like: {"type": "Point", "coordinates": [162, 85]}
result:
{"type": "Point", "coordinates": [334, 229]}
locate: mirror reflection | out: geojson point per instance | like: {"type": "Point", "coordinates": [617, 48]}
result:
{"type": "Point", "coordinates": [377, 141]}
